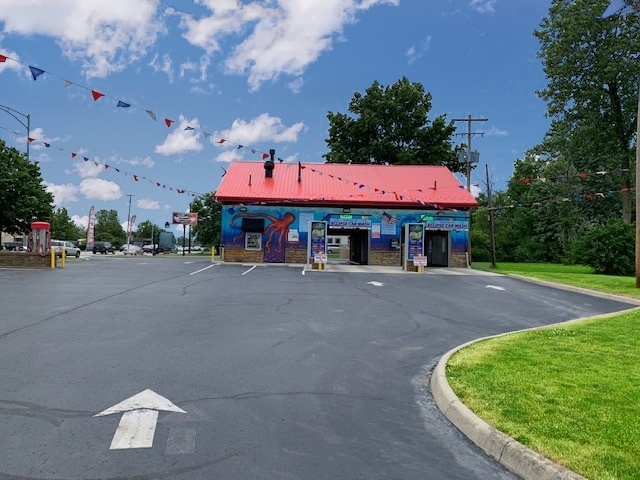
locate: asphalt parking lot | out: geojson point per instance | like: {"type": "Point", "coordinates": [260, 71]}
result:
{"type": "Point", "coordinates": [173, 367]}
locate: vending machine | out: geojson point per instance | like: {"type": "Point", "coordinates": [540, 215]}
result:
{"type": "Point", "coordinates": [39, 240]}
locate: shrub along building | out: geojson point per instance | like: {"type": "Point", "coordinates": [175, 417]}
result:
{"type": "Point", "coordinates": [280, 213]}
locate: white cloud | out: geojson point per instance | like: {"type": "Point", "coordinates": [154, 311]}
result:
{"type": "Point", "coordinates": [99, 189]}
{"type": "Point", "coordinates": [80, 221]}
{"type": "Point", "coordinates": [148, 204]}
{"type": "Point", "coordinates": [107, 35]}
{"type": "Point", "coordinates": [229, 156]}
{"type": "Point", "coordinates": [181, 140]}
{"type": "Point", "coordinates": [39, 139]}
{"type": "Point", "coordinates": [88, 169]}
{"type": "Point", "coordinates": [263, 128]}
{"type": "Point", "coordinates": [414, 53]}
{"type": "Point", "coordinates": [284, 38]}
{"type": "Point", "coordinates": [483, 6]}
{"type": "Point", "coordinates": [135, 161]}
{"type": "Point", "coordinates": [496, 132]}
{"type": "Point", "coordinates": [62, 194]}
{"type": "Point", "coordinates": [296, 85]}
{"type": "Point", "coordinates": [475, 190]}
{"type": "Point", "coordinates": [165, 65]}
{"type": "Point", "coordinates": [9, 65]}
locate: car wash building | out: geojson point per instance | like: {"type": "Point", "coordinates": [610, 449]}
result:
{"type": "Point", "coordinates": [385, 215]}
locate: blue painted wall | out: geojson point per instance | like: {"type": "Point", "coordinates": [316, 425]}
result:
{"type": "Point", "coordinates": [281, 220]}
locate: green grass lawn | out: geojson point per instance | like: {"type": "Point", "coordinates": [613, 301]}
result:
{"type": "Point", "coordinates": [570, 392]}
{"type": "Point", "coordinates": [576, 275]}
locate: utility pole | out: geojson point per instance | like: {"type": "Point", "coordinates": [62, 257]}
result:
{"type": "Point", "coordinates": [492, 234]}
{"type": "Point", "coordinates": [469, 134]}
{"type": "Point", "coordinates": [129, 221]}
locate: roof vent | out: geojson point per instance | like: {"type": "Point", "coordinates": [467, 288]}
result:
{"type": "Point", "coordinates": [269, 165]}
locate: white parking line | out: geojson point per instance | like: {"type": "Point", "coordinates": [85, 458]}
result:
{"type": "Point", "coordinates": [201, 270]}
{"type": "Point", "coordinates": [244, 273]}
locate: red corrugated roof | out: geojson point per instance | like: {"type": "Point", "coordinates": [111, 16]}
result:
{"type": "Point", "coordinates": [337, 183]}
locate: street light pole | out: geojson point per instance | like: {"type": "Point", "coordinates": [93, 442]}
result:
{"type": "Point", "coordinates": [12, 112]}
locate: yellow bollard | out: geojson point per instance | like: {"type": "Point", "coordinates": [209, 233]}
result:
{"type": "Point", "coordinates": [320, 266]}
{"type": "Point", "coordinates": [53, 258]}
{"type": "Point", "coordinates": [420, 268]}
{"type": "Point", "coordinates": [64, 257]}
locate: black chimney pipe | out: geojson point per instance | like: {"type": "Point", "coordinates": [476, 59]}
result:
{"type": "Point", "coordinates": [269, 165]}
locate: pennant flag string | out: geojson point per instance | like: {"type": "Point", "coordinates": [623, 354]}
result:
{"type": "Point", "coordinates": [401, 195]}
{"type": "Point", "coordinates": [580, 175]}
{"type": "Point", "coordinates": [136, 177]}
{"type": "Point", "coordinates": [36, 72]}
{"type": "Point", "coordinates": [573, 198]}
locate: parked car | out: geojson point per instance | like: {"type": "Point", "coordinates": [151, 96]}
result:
{"type": "Point", "coordinates": [130, 249]}
{"type": "Point", "coordinates": [70, 249]}
{"type": "Point", "coordinates": [103, 247]}
{"type": "Point", "coordinates": [148, 248]}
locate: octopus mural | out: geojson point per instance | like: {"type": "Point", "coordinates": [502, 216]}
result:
{"type": "Point", "coordinates": [276, 232]}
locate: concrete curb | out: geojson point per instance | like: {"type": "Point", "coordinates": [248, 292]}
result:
{"type": "Point", "coordinates": [518, 458]}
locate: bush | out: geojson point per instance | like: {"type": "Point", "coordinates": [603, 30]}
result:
{"type": "Point", "coordinates": [609, 249]}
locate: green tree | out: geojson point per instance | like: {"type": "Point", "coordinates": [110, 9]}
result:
{"type": "Point", "coordinates": [108, 228]}
{"type": "Point", "coordinates": [63, 228]}
{"type": "Point", "coordinates": [390, 125]}
{"type": "Point", "coordinates": [23, 197]}
{"type": "Point", "coordinates": [209, 215]}
{"type": "Point", "coordinates": [592, 95]}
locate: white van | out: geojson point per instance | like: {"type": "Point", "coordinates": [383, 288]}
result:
{"type": "Point", "coordinates": [70, 249]}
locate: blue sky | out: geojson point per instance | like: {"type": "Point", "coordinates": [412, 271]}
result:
{"type": "Point", "coordinates": [258, 74]}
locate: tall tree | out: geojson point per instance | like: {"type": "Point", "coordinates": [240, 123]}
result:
{"type": "Point", "coordinates": [23, 196]}
{"type": "Point", "coordinates": [592, 95]}
{"type": "Point", "coordinates": [108, 227]}
{"type": "Point", "coordinates": [209, 216]}
{"type": "Point", "coordinates": [390, 125]}
{"type": "Point", "coordinates": [63, 228]}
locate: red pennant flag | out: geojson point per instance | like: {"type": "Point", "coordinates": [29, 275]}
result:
{"type": "Point", "coordinates": [73, 155]}
{"type": "Point", "coordinates": [96, 95]}
{"type": "Point", "coordinates": [158, 183]}
{"type": "Point", "coordinates": [30, 139]}
{"type": "Point", "coordinates": [265, 155]}
{"type": "Point", "coordinates": [3, 58]}
{"type": "Point", "coordinates": [106, 167]}
{"type": "Point", "coordinates": [221, 140]}
{"type": "Point", "coordinates": [168, 122]}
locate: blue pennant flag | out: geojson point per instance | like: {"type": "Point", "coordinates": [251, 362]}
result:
{"type": "Point", "coordinates": [122, 104]}
{"type": "Point", "coordinates": [35, 72]}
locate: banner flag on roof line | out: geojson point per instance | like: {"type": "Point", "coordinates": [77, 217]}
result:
{"type": "Point", "coordinates": [151, 114]}
{"type": "Point", "coordinates": [168, 122]}
{"type": "Point", "coordinates": [35, 72]}
{"type": "Point", "coordinates": [221, 140]}
{"type": "Point", "coordinates": [96, 95]}
{"type": "Point", "coordinates": [189, 128]}
{"type": "Point", "coordinates": [3, 59]}
{"type": "Point", "coordinates": [266, 155]}
{"type": "Point", "coordinates": [30, 139]}
{"type": "Point", "coordinates": [123, 104]}
{"type": "Point", "coordinates": [67, 83]}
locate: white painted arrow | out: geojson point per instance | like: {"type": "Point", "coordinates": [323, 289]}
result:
{"type": "Point", "coordinates": [494, 287]}
{"type": "Point", "coordinates": [137, 426]}
{"type": "Point", "coordinates": [376, 284]}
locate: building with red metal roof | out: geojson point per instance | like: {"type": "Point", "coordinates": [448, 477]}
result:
{"type": "Point", "coordinates": [383, 214]}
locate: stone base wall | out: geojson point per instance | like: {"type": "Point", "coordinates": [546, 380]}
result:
{"type": "Point", "coordinates": [385, 258]}
{"type": "Point", "coordinates": [459, 260]}
{"type": "Point", "coordinates": [240, 255]}
{"type": "Point", "coordinates": [24, 260]}
{"type": "Point", "coordinates": [296, 256]}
